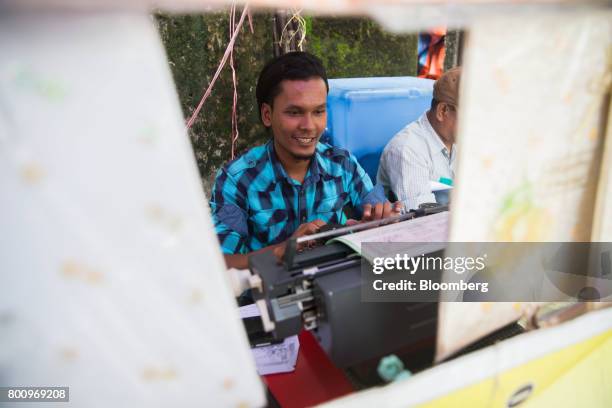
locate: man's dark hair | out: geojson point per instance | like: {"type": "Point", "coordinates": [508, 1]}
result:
{"type": "Point", "coordinates": [434, 104]}
{"type": "Point", "coordinates": [295, 65]}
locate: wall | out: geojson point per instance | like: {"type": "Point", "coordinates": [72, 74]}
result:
{"type": "Point", "coordinates": [195, 45]}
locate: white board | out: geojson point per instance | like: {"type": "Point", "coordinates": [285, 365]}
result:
{"type": "Point", "coordinates": [111, 278]}
{"type": "Point", "coordinates": [530, 144]}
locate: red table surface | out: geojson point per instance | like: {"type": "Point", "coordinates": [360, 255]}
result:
{"type": "Point", "coordinates": [315, 379]}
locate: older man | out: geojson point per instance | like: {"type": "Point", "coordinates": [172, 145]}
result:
{"type": "Point", "coordinates": [425, 150]}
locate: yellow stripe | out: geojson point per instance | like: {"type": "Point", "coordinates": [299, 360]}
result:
{"type": "Point", "coordinates": [577, 376]}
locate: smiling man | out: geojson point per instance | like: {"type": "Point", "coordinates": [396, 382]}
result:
{"type": "Point", "coordinates": [294, 184]}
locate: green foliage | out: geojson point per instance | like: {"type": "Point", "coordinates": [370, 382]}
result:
{"type": "Point", "coordinates": [195, 44]}
{"type": "Point", "coordinates": [357, 47]}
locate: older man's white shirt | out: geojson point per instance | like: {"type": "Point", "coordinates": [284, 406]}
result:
{"type": "Point", "coordinates": [412, 159]}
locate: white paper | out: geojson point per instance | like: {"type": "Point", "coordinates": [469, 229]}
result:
{"type": "Point", "coordinates": [249, 311]}
{"type": "Point", "coordinates": [277, 358]}
{"type": "Point", "coordinates": [437, 186]}
{"type": "Point", "coordinates": [427, 229]}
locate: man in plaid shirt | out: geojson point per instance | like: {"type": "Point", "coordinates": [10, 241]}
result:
{"type": "Point", "coordinates": [292, 185]}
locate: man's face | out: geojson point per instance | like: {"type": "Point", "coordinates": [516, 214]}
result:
{"type": "Point", "coordinates": [448, 121]}
{"type": "Point", "coordinates": [452, 126]}
{"type": "Point", "coordinates": [298, 117]}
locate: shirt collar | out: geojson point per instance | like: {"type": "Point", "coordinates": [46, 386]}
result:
{"type": "Point", "coordinates": [312, 175]}
{"type": "Point", "coordinates": [433, 140]}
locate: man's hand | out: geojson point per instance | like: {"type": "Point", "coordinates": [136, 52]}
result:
{"type": "Point", "coordinates": [309, 228]}
{"type": "Point", "coordinates": [380, 211]}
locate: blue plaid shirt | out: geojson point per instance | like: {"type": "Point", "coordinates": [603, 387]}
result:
{"type": "Point", "coordinates": [255, 203]}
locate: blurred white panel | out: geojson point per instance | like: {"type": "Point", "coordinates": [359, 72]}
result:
{"type": "Point", "coordinates": [602, 219]}
{"type": "Point", "coordinates": [399, 14]}
{"type": "Point", "coordinates": [530, 132]}
{"type": "Point", "coordinates": [111, 279]}
{"type": "Point", "coordinates": [530, 137]}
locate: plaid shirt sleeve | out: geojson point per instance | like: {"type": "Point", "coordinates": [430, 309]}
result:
{"type": "Point", "coordinates": [361, 191]}
{"type": "Point", "coordinates": [229, 211]}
